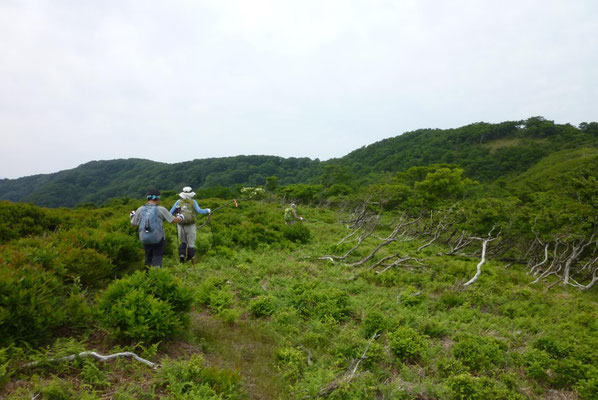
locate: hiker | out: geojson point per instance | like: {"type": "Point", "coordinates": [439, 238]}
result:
{"type": "Point", "coordinates": [150, 219]}
{"type": "Point", "coordinates": [188, 207]}
{"type": "Point", "coordinates": [290, 215]}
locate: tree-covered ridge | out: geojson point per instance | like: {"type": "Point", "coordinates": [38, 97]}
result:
{"type": "Point", "coordinates": [486, 152]}
{"type": "Point", "coordinates": [99, 181]}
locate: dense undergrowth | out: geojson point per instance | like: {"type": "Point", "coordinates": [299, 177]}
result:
{"type": "Point", "coordinates": [258, 315]}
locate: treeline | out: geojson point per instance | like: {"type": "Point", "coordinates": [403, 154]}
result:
{"type": "Point", "coordinates": [486, 152]}
{"type": "Point", "coordinates": [99, 181]}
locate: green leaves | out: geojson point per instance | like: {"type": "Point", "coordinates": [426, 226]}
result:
{"type": "Point", "coordinates": [145, 307]}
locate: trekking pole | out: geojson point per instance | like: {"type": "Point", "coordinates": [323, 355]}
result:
{"type": "Point", "coordinates": [211, 230]}
{"type": "Point", "coordinates": [224, 205]}
{"type": "Point", "coordinates": [208, 221]}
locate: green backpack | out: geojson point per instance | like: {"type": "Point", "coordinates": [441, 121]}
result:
{"type": "Point", "coordinates": [188, 211]}
{"type": "Point", "coordinates": [288, 215]}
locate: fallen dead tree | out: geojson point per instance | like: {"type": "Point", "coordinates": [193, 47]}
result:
{"type": "Point", "coordinates": [567, 259]}
{"type": "Point", "coordinates": [364, 228]}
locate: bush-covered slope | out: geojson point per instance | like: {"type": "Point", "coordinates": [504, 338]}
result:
{"type": "Point", "coordinates": [270, 320]}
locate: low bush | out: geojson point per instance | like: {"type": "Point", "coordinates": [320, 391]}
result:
{"type": "Point", "coordinates": [479, 353]}
{"type": "Point", "coordinates": [34, 303]}
{"type": "Point", "coordinates": [321, 303]}
{"type": "Point", "coordinates": [87, 266]}
{"type": "Point", "coordinates": [215, 293]}
{"type": "Point", "coordinates": [374, 322]}
{"type": "Point", "coordinates": [537, 364]}
{"type": "Point", "coordinates": [192, 379]}
{"type": "Point", "coordinates": [297, 233]}
{"type": "Point", "coordinates": [588, 389]}
{"type": "Point", "coordinates": [145, 307]}
{"type": "Point", "coordinates": [291, 362]}
{"type": "Point", "coordinates": [406, 344]}
{"type": "Point", "coordinates": [467, 387]}
{"type": "Point", "coordinates": [262, 306]}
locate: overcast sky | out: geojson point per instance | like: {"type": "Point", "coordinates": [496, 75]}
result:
{"type": "Point", "coordinates": [178, 80]}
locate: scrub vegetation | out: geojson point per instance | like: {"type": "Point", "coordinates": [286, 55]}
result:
{"type": "Point", "coordinates": [425, 283]}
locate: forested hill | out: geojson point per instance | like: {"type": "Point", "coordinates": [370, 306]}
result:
{"type": "Point", "coordinates": [99, 181]}
{"type": "Point", "coordinates": [485, 151]}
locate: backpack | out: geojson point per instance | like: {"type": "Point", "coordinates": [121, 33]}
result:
{"type": "Point", "coordinates": [288, 215]}
{"type": "Point", "coordinates": [151, 230]}
{"type": "Point", "coordinates": [188, 211]}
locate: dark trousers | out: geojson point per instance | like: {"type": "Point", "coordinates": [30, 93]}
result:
{"type": "Point", "coordinates": [154, 253]}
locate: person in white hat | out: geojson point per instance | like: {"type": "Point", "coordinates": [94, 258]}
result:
{"type": "Point", "coordinates": [188, 207]}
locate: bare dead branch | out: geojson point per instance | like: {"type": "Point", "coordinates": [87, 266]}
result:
{"type": "Point", "coordinates": [95, 355]}
{"type": "Point", "coordinates": [350, 374]}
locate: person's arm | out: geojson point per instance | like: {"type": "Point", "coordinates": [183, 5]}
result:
{"type": "Point", "coordinates": [135, 215]}
{"type": "Point", "coordinates": [174, 207]}
{"type": "Point", "coordinates": [200, 210]}
{"type": "Point", "coordinates": [166, 216]}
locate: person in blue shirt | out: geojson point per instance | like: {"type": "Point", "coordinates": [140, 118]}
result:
{"type": "Point", "coordinates": [187, 230]}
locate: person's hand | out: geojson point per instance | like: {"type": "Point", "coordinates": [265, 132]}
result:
{"type": "Point", "coordinates": [209, 211]}
{"type": "Point", "coordinates": [131, 214]}
{"type": "Point", "coordinates": [180, 216]}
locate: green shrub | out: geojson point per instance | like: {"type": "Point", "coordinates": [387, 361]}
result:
{"type": "Point", "coordinates": [568, 372]}
{"type": "Point", "coordinates": [5, 373]}
{"type": "Point", "coordinates": [297, 233]}
{"type": "Point", "coordinates": [145, 307]}
{"type": "Point", "coordinates": [252, 235]}
{"type": "Point", "coordinates": [467, 387]}
{"type": "Point", "coordinates": [432, 328]}
{"type": "Point", "coordinates": [214, 293]}
{"type": "Point", "coordinates": [479, 353]}
{"type": "Point", "coordinates": [321, 303]}
{"type": "Point", "coordinates": [32, 304]}
{"type": "Point", "coordinates": [55, 389]}
{"type": "Point", "coordinates": [450, 300]}
{"type": "Point", "coordinates": [588, 389]}
{"type": "Point", "coordinates": [406, 344]}
{"type": "Point", "coordinates": [192, 379]}
{"type": "Point", "coordinates": [448, 366]}
{"type": "Point", "coordinates": [374, 322]}
{"type": "Point", "coordinates": [92, 375]}
{"type": "Point", "coordinates": [537, 364]}
{"type": "Point", "coordinates": [121, 249]}
{"type": "Point", "coordinates": [22, 219]}
{"type": "Point", "coordinates": [90, 267]}
{"type": "Point", "coordinates": [291, 362]}
{"type": "Point", "coordinates": [262, 306]}
{"type": "Point", "coordinates": [557, 348]}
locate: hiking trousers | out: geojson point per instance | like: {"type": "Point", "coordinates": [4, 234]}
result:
{"type": "Point", "coordinates": [187, 234]}
{"type": "Point", "coordinates": [154, 253]}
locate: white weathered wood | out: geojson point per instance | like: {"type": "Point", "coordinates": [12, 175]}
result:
{"type": "Point", "coordinates": [97, 356]}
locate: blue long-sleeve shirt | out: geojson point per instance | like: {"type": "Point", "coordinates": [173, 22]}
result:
{"type": "Point", "coordinates": [195, 206]}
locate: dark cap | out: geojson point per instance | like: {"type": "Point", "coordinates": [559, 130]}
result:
{"type": "Point", "coordinates": [153, 194]}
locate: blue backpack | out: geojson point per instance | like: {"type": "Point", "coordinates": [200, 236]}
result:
{"type": "Point", "coordinates": [151, 230]}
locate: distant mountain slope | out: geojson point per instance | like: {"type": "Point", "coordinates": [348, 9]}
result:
{"type": "Point", "coordinates": [486, 152]}
{"type": "Point", "coordinates": [98, 181]}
